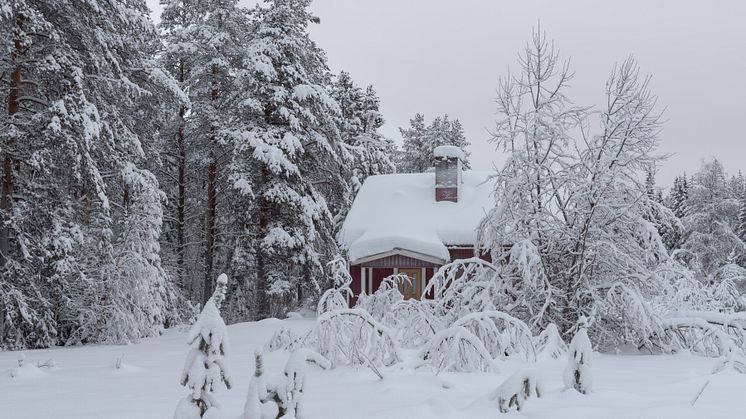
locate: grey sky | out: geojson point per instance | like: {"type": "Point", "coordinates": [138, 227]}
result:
{"type": "Point", "coordinates": [438, 56]}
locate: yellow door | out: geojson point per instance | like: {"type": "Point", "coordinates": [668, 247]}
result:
{"type": "Point", "coordinates": [413, 290]}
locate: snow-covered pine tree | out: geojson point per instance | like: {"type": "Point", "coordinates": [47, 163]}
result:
{"type": "Point", "coordinates": [419, 141]}
{"type": "Point", "coordinates": [359, 121]}
{"type": "Point", "coordinates": [205, 49]}
{"type": "Point", "coordinates": [286, 134]}
{"type": "Point", "coordinates": [136, 279]}
{"type": "Point", "coordinates": [414, 140]}
{"type": "Point", "coordinates": [364, 149]}
{"type": "Point", "coordinates": [205, 367]}
{"type": "Point", "coordinates": [82, 100]}
{"type": "Point", "coordinates": [742, 217]}
{"type": "Point", "coordinates": [711, 222]}
{"type": "Point", "coordinates": [650, 184]}
{"type": "Point", "coordinates": [577, 373]}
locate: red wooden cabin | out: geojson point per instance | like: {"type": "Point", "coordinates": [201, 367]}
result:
{"type": "Point", "coordinates": [414, 223]}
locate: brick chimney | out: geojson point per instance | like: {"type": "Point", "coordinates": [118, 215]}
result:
{"type": "Point", "coordinates": [447, 172]}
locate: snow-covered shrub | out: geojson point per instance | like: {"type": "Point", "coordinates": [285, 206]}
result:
{"type": "Point", "coordinates": [282, 396]}
{"type": "Point", "coordinates": [354, 337]}
{"type": "Point", "coordinates": [467, 286]}
{"type": "Point", "coordinates": [549, 343]}
{"type": "Point", "coordinates": [205, 367]}
{"type": "Point", "coordinates": [728, 288]}
{"type": "Point", "coordinates": [283, 338]}
{"type": "Point", "coordinates": [516, 389]}
{"type": "Point", "coordinates": [23, 368]}
{"type": "Point", "coordinates": [578, 370]}
{"type": "Point", "coordinates": [381, 302]}
{"type": "Point", "coordinates": [709, 334]}
{"type": "Point", "coordinates": [290, 388]}
{"type": "Point", "coordinates": [734, 360]}
{"type": "Point", "coordinates": [415, 322]}
{"type": "Point", "coordinates": [625, 315]}
{"type": "Point", "coordinates": [457, 349]}
{"type": "Point", "coordinates": [502, 334]}
{"type": "Point", "coordinates": [336, 297]}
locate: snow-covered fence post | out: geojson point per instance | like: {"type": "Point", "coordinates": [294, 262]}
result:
{"type": "Point", "coordinates": [205, 366]}
{"type": "Point", "coordinates": [578, 372]}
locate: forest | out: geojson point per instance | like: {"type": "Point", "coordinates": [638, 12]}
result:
{"type": "Point", "coordinates": [140, 162]}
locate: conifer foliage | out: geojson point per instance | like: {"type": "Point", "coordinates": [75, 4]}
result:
{"type": "Point", "coordinates": [77, 137]}
{"type": "Point", "coordinates": [578, 370]}
{"type": "Point", "coordinates": [421, 139]}
{"type": "Point", "coordinates": [287, 135]}
{"type": "Point", "coordinates": [136, 164]}
{"type": "Point", "coordinates": [205, 368]}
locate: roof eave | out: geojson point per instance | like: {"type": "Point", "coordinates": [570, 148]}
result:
{"type": "Point", "coordinates": [399, 251]}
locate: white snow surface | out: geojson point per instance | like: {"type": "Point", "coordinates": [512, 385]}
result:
{"type": "Point", "coordinates": [399, 211]}
{"type": "Point", "coordinates": [84, 384]}
{"type": "Point", "coordinates": [449, 151]}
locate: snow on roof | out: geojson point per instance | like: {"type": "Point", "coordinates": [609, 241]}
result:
{"type": "Point", "coordinates": [399, 211]}
{"type": "Point", "coordinates": [450, 151]}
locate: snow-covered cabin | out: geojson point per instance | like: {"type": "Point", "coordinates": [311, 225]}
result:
{"type": "Point", "coordinates": [413, 223]}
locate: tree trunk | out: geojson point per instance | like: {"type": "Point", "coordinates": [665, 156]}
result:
{"type": "Point", "coordinates": [262, 299]}
{"type": "Point", "coordinates": [182, 188]}
{"type": "Point", "coordinates": [212, 175]}
{"type": "Point", "coordinates": [6, 196]}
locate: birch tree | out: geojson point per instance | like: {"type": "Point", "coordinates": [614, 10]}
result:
{"type": "Point", "coordinates": [572, 194]}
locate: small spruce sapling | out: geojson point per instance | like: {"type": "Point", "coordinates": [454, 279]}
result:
{"type": "Point", "coordinates": [516, 389]}
{"type": "Point", "coordinates": [259, 401]}
{"type": "Point", "coordinates": [291, 388]}
{"type": "Point", "coordinates": [578, 372]}
{"type": "Point", "coordinates": [281, 397]}
{"type": "Point", "coordinates": [205, 366]}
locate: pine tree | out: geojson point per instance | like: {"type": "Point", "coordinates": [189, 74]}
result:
{"type": "Point", "coordinates": [420, 141]}
{"type": "Point", "coordinates": [650, 185]}
{"type": "Point", "coordinates": [205, 49]}
{"type": "Point", "coordinates": [742, 218]}
{"type": "Point", "coordinates": [711, 221]}
{"type": "Point", "coordinates": [84, 102]}
{"type": "Point", "coordinates": [678, 196]}
{"type": "Point", "coordinates": [205, 367]}
{"type": "Point", "coordinates": [288, 137]}
{"type": "Point", "coordinates": [364, 150]}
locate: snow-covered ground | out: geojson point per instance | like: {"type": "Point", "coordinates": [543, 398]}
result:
{"type": "Point", "coordinates": [85, 384]}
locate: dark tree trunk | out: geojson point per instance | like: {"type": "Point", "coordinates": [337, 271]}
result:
{"type": "Point", "coordinates": [262, 299]}
{"type": "Point", "coordinates": [182, 188]}
{"type": "Point", "coordinates": [212, 176]}
{"type": "Point", "coordinates": [6, 197]}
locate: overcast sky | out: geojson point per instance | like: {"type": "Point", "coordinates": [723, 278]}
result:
{"type": "Point", "coordinates": [445, 56]}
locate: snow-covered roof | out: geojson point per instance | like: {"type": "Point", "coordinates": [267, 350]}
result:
{"type": "Point", "coordinates": [450, 151]}
{"type": "Point", "coordinates": [399, 212]}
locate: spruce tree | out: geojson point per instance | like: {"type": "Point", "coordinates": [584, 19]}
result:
{"type": "Point", "coordinates": [205, 367]}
